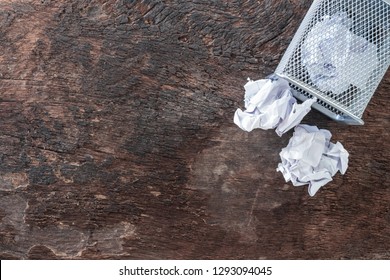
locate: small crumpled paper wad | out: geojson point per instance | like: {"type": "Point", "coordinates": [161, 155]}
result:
{"type": "Point", "coordinates": [270, 104]}
{"type": "Point", "coordinates": [310, 158]}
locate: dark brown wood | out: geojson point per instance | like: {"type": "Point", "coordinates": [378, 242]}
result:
{"type": "Point", "coordinates": [117, 140]}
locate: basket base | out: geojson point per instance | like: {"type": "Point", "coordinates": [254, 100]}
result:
{"type": "Point", "coordinates": [334, 116]}
{"type": "Point", "coordinates": [324, 106]}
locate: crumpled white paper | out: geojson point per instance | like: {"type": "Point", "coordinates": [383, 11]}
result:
{"type": "Point", "coordinates": [310, 158]}
{"type": "Point", "coordinates": [336, 58]}
{"type": "Point", "coordinates": [270, 104]}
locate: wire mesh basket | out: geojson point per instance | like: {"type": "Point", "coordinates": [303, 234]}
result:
{"type": "Point", "coordinates": [339, 55]}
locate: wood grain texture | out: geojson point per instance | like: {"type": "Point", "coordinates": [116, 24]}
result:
{"type": "Point", "coordinates": [117, 140]}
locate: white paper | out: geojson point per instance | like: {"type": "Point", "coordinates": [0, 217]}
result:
{"type": "Point", "coordinates": [270, 104]}
{"type": "Point", "coordinates": [336, 58]}
{"type": "Point", "coordinates": [297, 113]}
{"type": "Point", "coordinates": [310, 158]}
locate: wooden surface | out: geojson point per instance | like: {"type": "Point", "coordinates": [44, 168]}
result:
{"type": "Point", "coordinates": [117, 140]}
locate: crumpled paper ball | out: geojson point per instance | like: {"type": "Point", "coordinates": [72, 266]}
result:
{"type": "Point", "coordinates": [310, 158]}
{"type": "Point", "coordinates": [270, 104]}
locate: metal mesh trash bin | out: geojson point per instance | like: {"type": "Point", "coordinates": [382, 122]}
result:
{"type": "Point", "coordinates": [339, 54]}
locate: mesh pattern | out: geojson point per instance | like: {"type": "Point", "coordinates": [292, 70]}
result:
{"type": "Point", "coordinates": [340, 53]}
